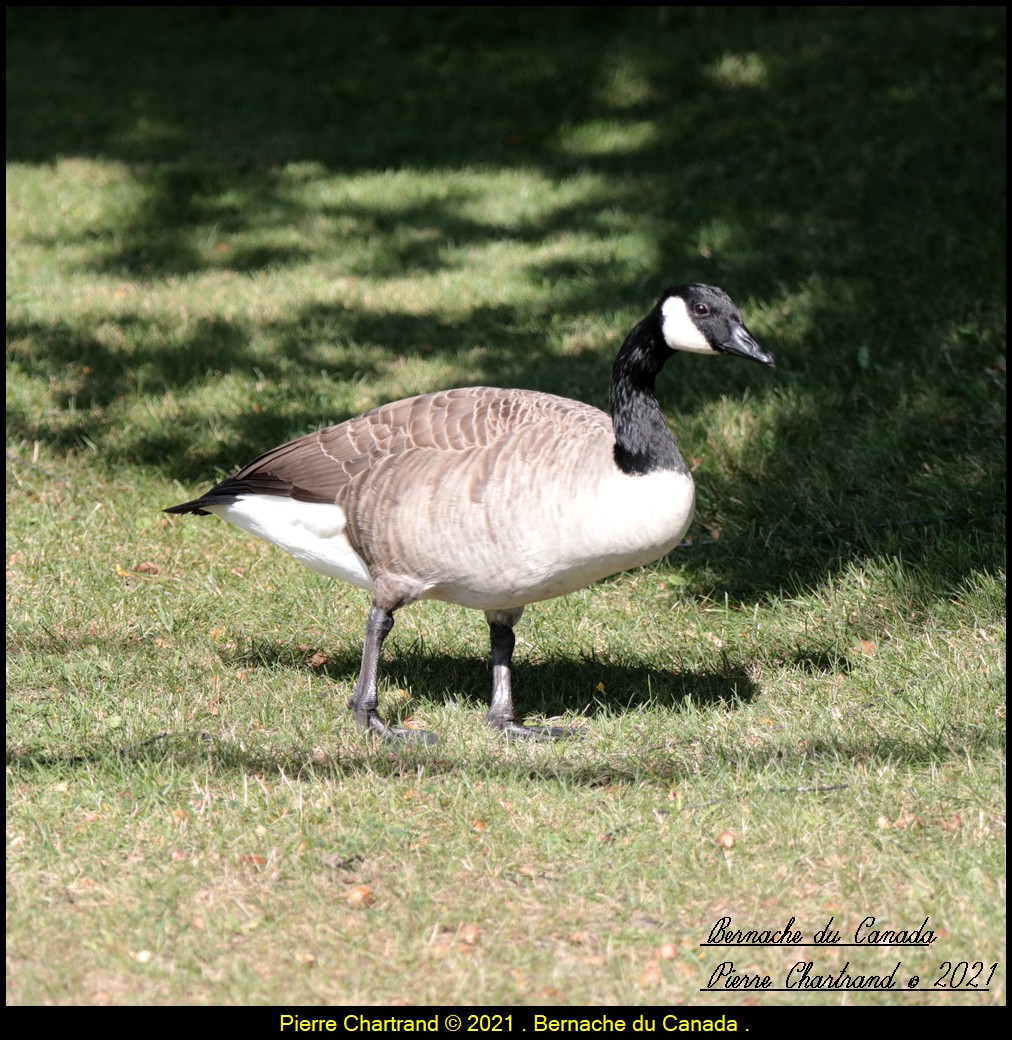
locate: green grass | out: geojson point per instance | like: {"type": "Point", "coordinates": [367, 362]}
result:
{"type": "Point", "coordinates": [226, 227]}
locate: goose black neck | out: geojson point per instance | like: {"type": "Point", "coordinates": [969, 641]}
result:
{"type": "Point", "coordinates": [643, 442]}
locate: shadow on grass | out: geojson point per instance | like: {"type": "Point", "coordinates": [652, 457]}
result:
{"type": "Point", "coordinates": [846, 162]}
{"type": "Point", "coordinates": [549, 688]}
{"type": "Point", "coordinates": [655, 759]}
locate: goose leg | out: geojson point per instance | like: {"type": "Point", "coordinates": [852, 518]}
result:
{"type": "Point", "coordinates": [365, 698]}
{"type": "Point", "coordinates": [500, 714]}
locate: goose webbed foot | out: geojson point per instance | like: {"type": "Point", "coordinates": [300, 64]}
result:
{"type": "Point", "coordinates": [518, 731]}
{"type": "Point", "coordinates": [371, 723]}
{"type": "Point", "coordinates": [399, 736]}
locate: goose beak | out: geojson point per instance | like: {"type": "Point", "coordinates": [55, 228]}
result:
{"type": "Point", "coordinates": [742, 344]}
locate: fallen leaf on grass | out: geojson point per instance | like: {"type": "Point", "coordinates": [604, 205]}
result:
{"type": "Point", "coordinates": [359, 897]}
{"type": "Point", "coordinates": [469, 934]}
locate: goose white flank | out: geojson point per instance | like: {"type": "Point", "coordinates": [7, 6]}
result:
{"type": "Point", "coordinates": [488, 498]}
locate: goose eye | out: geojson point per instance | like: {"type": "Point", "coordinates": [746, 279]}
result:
{"type": "Point", "coordinates": [700, 310]}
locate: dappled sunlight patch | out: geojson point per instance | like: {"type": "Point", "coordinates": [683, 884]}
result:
{"type": "Point", "coordinates": [90, 195]}
{"type": "Point", "coordinates": [609, 137]}
{"type": "Point", "coordinates": [627, 84]}
{"type": "Point", "coordinates": [740, 71]}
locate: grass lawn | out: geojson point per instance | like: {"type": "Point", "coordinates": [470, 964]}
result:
{"type": "Point", "coordinates": [228, 226]}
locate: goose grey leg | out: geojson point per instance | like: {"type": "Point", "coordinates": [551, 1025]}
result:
{"type": "Point", "coordinates": [500, 714]}
{"type": "Point", "coordinates": [365, 698]}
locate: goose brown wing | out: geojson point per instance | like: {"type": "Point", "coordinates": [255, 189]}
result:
{"type": "Point", "coordinates": [330, 465]}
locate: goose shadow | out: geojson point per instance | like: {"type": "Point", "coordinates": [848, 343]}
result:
{"type": "Point", "coordinates": [582, 684]}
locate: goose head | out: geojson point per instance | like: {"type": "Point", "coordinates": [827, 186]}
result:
{"type": "Point", "coordinates": [701, 319]}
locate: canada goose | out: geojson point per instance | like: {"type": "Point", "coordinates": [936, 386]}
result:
{"type": "Point", "coordinates": [488, 498]}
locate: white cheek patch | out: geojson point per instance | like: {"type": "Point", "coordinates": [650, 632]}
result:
{"type": "Point", "coordinates": [679, 330]}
